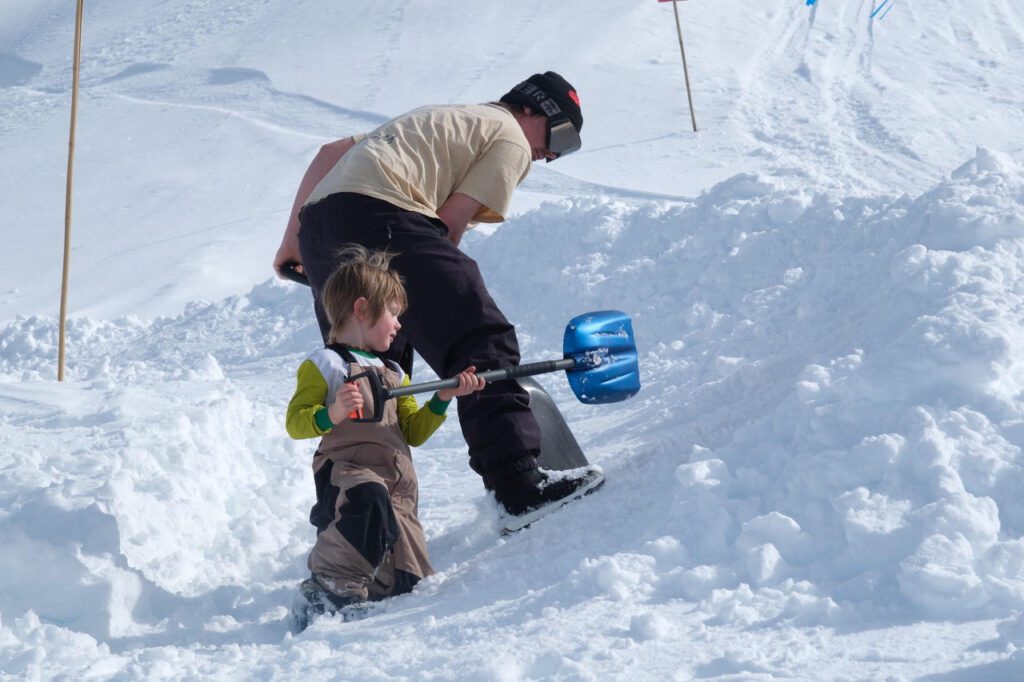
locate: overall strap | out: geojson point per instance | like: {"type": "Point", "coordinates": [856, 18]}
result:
{"type": "Point", "coordinates": [348, 356]}
{"type": "Point", "coordinates": [343, 350]}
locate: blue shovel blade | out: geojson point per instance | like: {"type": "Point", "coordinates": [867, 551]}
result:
{"type": "Point", "coordinates": [604, 347]}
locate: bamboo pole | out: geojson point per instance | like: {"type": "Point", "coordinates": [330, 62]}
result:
{"type": "Point", "coordinates": [686, 72]}
{"type": "Point", "coordinates": [67, 196]}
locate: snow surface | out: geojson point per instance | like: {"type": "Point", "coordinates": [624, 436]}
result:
{"type": "Point", "coordinates": [822, 477]}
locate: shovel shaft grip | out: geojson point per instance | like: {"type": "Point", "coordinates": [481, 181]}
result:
{"type": "Point", "coordinates": [528, 370]}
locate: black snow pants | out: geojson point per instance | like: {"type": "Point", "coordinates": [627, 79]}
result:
{"type": "Point", "coordinates": [451, 321]}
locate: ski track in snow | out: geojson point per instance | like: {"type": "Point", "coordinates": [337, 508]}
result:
{"type": "Point", "coordinates": [245, 93]}
{"type": "Point", "coordinates": [831, 61]}
{"type": "Point", "coordinates": [822, 477]}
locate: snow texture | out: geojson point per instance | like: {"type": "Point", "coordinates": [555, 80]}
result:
{"type": "Point", "coordinates": [821, 478]}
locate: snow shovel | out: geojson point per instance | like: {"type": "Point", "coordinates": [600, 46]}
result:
{"type": "Point", "coordinates": [600, 361]}
{"type": "Point", "coordinates": [599, 358]}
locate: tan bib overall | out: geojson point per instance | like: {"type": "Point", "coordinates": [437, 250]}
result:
{"type": "Point", "coordinates": [374, 546]}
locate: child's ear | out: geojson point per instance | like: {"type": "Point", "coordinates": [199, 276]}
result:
{"type": "Point", "coordinates": [361, 308]}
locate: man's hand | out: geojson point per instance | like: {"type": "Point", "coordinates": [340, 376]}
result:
{"type": "Point", "coordinates": [456, 212]}
{"type": "Point", "coordinates": [288, 253]}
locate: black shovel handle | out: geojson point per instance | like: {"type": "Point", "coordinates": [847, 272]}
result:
{"type": "Point", "coordinates": [528, 370]}
{"type": "Point", "coordinates": [382, 394]}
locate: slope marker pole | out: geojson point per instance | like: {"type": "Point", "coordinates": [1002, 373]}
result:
{"type": "Point", "coordinates": [61, 346]}
{"type": "Point", "coordinates": [686, 71]}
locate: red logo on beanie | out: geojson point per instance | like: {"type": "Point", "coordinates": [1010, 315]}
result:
{"type": "Point", "coordinates": [574, 97]}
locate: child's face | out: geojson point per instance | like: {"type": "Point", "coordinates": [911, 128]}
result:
{"type": "Point", "coordinates": [379, 335]}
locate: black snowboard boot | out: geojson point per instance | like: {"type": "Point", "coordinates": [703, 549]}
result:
{"type": "Point", "coordinates": [530, 495]}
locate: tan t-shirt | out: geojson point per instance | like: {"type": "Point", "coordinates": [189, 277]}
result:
{"type": "Point", "coordinates": [421, 158]}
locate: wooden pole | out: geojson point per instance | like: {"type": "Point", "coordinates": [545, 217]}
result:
{"type": "Point", "coordinates": [686, 73]}
{"type": "Point", "coordinates": [67, 195]}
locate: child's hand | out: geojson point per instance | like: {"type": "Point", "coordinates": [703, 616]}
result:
{"type": "Point", "coordinates": [468, 383]}
{"type": "Point", "coordinates": [347, 401]}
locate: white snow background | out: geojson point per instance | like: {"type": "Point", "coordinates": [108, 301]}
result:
{"type": "Point", "coordinates": [822, 477]}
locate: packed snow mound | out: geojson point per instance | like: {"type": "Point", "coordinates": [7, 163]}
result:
{"type": "Point", "coordinates": [836, 381]}
{"type": "Point", "coordinates": [829, 432]}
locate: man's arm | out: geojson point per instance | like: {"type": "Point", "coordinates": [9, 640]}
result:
{"type": "Point", "coordinates": [456, 212]}
{"type": "Point", "coordinates": [324, 161]}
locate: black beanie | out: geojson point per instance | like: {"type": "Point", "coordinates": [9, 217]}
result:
{"type": "Point", "coordinates": [549, 94]}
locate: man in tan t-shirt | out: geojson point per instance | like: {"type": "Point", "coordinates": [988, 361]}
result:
{"type": "Point", "coordinates": [414, 186]}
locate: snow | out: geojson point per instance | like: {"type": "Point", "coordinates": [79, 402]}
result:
{"type": "Point", "coordinates": [821, 478]}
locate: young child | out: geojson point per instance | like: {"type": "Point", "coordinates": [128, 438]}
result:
{"type": "Point", "coordinates": [369, 543]}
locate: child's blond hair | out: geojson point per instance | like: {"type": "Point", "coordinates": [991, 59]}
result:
{"type": "Point", "coordinates": [362, 273]}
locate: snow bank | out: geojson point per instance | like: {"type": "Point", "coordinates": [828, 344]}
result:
{"type": "Point", "coordinates": [836, 383]}
{"type": "Point", "coordinates": [151, 477]}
